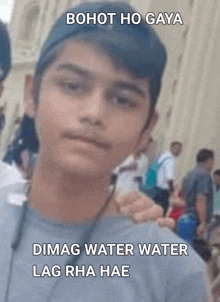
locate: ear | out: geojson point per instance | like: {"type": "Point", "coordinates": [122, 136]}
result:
{"type": "Point", "coordinates": [146, 135]}
{"type": "Point", "coordinates": [29, 103]}
{"type": "Point", "coordinates": [1, 89]}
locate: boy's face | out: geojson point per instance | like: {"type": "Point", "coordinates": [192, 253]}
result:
{"type": "Point", "coordinates": [90, 115]}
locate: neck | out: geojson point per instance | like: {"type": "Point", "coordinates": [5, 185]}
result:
{"type": "Point", "coordinates": [67, 197]}
{"type": "Point", "coordinates": [206, 167]}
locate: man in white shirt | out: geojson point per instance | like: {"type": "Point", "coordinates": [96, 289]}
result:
{"type": "Point", "coordinates": [131, 172]}
{"type": "Point", "coordinates": [166, 174]}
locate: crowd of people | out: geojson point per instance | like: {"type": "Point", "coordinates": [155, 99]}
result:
{"type": "Point", "coordinates": [86, 81]}
{"type": "Point", "coordinates": [191, 209]}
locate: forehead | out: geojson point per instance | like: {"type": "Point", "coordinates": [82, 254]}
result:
{"type": "Point", "coordinates": [93, 59]}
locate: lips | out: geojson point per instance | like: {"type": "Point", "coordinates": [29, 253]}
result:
{"type": "Point", "coordinates": [88, 137]}
{"type": "Point", "coordinates": [91, 141]}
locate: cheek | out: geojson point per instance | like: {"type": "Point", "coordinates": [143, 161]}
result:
{"type": "Point", "coordinates": [126, 135]}
{"type": "Point", "coordinates": [50, 117]}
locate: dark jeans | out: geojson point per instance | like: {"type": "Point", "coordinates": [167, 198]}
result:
{"type": "Point", "coordinates": [160, 196]}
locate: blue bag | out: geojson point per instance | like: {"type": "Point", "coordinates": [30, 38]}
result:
{"type": "Point", "coordinates": [151, 174]}
{"type": "Point", "coordinates": [186, 227]}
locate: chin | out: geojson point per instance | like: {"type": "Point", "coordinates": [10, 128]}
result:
{"type": "Point", "coordinates": [84, 167]}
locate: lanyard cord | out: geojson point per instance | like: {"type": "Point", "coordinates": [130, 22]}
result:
{"type": "Point", "coordinates": [72, 259]}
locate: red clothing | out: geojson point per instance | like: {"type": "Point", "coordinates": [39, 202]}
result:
{"type": "Point", "coordinates": [176, 213]}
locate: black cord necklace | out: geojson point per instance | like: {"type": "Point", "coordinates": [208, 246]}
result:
{"type": "Point", "coordinates": [73, 260]}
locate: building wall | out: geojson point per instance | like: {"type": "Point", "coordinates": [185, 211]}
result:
{"type": "Point", "coordinates": [195, 105]}
{"type": "Point", "coordinates": [188, 105]}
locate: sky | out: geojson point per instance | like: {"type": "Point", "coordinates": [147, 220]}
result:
{"type": "Point", "coordinates": [6, 7]}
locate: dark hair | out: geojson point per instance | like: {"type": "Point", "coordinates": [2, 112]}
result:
{"type": "Point", "coordinates": [203, 248]}
{"type": "Point", "coordinates": [175, 143]}
{"type": "Point", "coordinates": [25, 139]}
{"type": "Point", "coordinates": [203, 155]}
{"type": "Point", "coordinates": [135, 48]}
{"type": "Point", "coordinates": [5, 52]}
{"type": "Point", "coordinates": [216, 172]}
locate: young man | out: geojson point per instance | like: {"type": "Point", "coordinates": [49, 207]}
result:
{"type": "Point", "coordinates": [198, 190]}
{"type": "Point", "coordinates": [95, 90]}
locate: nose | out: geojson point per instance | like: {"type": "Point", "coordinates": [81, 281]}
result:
{"type": "Point", "coordinates": [93, 108]}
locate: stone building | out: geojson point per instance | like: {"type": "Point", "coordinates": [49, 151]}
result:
{"type": "Point", "coordinates": [188, 104]}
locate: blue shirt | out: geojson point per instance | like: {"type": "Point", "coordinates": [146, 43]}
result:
{"type": "Point", "coordinates": [198, 181]}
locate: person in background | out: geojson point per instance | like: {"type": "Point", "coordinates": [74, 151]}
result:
{"type": "Point", "coordinates": [131, 172]}
{"type": "Point", "coordinates": [166, 174]}
{"type": "Point", "coordinates": [25, 140]}
{"type": "Point", "coordinates": [5, 55]}
{"type": "Point", "coordinates": [8, 175]}
{"type": "Point", "coordinates": [198, 193]}
{"type": "Point", "coordinates": [216, 182]}
{"type": "Point", "coordinates": [151, 151]}
{"type": "Point", "coordinates": [177, 205]}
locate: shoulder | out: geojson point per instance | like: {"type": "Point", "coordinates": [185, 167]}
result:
{"type": "Point", "coordinates": [4, 167]}
{"type": "Point", "coordinates": [150, 233]}
{"type": "Point", "coordinates": [203, 176]}
{"type": "Point", "coordinates": [9, 175]}
{"type": "Point", "coordinates": [168, 156]}
{"type": "Point", "coordinates": [193, 174]}
{"type": "Point", "coordinates": [9, 214]}
{"type": "Point", "coordinates": [143, 159]}
{"type": "Point", "coordinates": [164, 256]}
{"type": "Point", "coordinates": [13, 193]}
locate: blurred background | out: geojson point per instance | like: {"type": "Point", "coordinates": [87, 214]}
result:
{"type": "Point", "coordinates": [189, 103]}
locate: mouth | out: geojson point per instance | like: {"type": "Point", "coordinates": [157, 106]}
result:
{"type": "Point", "coordinates": [90, 141]}
{"type": "Point", "coordinates": [88, 137]}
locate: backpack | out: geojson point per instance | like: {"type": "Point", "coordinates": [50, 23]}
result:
{"type": "Point", "coordinates": [151, 174]}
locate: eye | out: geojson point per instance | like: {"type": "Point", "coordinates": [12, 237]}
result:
{"type": "Point", "coordinates": [72, 87]}
{"type": "Point", "coordinates": [123, 102]}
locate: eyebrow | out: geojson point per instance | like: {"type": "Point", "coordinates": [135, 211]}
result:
{"type": "Point", "coordinates": [74, 69]}
{"type": "Point", "coordinates": [86, 73]}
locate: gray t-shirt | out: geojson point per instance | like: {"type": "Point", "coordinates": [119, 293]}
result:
{"type": "Point", "coordinates": [152, 278]}
{"type": "Point", "coordinates": [198, 181]}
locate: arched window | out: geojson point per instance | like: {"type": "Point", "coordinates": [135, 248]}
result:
{"type": "Point", "coordinates": [30, 18]}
